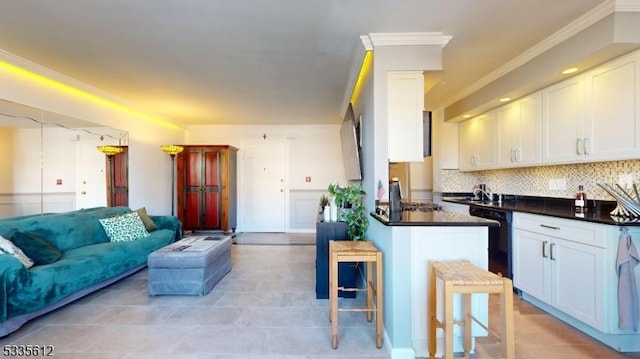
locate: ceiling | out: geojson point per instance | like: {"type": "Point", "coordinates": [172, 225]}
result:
{"type": "Point", "coordinates": [260, 61]}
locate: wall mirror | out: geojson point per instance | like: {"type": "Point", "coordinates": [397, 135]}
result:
{"type": "Point", "coordinates": [50, 162]}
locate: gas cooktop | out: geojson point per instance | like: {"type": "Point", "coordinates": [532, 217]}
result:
{"type": "Point", "coordinates": [421, 206]}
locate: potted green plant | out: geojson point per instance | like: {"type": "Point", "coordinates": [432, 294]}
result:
{"type": "Point", "coordinates": [358, 222]}
{"type": "Point", "coordinates": [349, 200]}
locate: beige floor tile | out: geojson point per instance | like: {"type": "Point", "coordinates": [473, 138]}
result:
{"type": "Point", "coordinates": [264, 308]}
{"type": "Point", "coordinates": [224, 340]}
{"type": "Point", "coordinates": [205, 316]}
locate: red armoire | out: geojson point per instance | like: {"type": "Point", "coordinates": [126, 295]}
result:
{"type": "Point", "coordinates": [117, 179]}
{"type": "Point", "coordinates": [207, 187]}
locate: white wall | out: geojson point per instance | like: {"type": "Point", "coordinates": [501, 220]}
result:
{"type": "Point", "coordinates": [149, 167]}
{"type": "Point", "coordinates": [313, 151]}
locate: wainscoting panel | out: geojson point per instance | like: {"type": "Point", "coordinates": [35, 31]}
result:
{"type": "Point", "coordinates": [303, 205]}
{"type": "Point", "coordinates": [21, 204]}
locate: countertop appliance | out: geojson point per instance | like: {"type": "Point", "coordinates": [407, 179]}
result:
{"type": "Point", "coordinates": [395, 196]}
{"type": "Point", "coordinates": [499, 238]}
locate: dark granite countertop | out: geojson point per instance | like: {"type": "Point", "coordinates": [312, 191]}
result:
{"type": "Point", "coordinates": [598, 211]}
{"type": "Point", "coordinates": [432, 218]}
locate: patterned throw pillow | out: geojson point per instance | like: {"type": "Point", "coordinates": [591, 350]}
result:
{"type": "Point", "coordinates": [6, 246]}
{"type": "Point", "coordinates": [127, 227]}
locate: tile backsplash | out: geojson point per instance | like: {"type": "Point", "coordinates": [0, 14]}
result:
{"type": "Point", "coordinates": [538, 181]}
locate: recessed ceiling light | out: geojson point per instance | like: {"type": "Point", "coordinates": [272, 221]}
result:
{"type": "Point", "coordinates": [466, 116]}
{"type": "Point", "coordinates": [505, 99]}
{"type": "Point", "coordinates": [569, 71]}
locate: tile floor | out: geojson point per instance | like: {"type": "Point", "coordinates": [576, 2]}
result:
{"type": "Point", "coordinates": [264, 308]}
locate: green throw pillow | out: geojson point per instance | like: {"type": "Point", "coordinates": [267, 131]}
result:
{"type": "Point", "coordinates": [149, 224]}
{"type": "Point", "coordinates": [37, 248]}
{"type": "Point", "coordinates": [127, 227]}
{"type": "Point", "coordinates": [8, 247]}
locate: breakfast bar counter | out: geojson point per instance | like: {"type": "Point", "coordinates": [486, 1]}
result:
{"type": "Point", "coordinates": [409, 240]}
{"type": "Point", "coordinates": [432, 218]}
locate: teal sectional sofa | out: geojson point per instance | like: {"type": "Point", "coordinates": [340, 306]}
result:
{"type": "Point", "coordinates": [89, 260]}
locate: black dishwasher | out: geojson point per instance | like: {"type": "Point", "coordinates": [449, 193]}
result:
{"type": "Point", "coordinates": [499, 238]}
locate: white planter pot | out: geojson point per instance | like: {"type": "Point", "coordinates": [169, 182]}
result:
{"type": "Point", "coordinates": [334, 211]}
{"type": "Point", "coordinates": [326, 213]}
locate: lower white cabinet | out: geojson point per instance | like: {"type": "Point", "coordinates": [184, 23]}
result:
{"type": "Point", "coordinates": [561, 263]}
{"type": "Point", "coordinates": [568, 268]}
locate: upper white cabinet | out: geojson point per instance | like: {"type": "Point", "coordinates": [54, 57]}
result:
{"type": "Point", "coordinates": [519, 132]}
{"type": "Point", "coordinates": [477, 145]}
{"type": "Point", "coordinates": [405, 105]}
{"type": "Point", "coordinates": [563, 121]}
{"type": "Point", "coordinates": [612, 98]}
{"type": "Point", "coordinates": [593, 116]}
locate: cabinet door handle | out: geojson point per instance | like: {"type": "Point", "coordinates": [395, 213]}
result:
{"type": "Point", "coordinates": [579, 146]}
{"type": "Point", "coordinates": [553, 245]}
{"type": "Point", "coordinates": [587, 144]}
{"type": "Point", "coordinates": [517, 155]}
{"type": "Point", "coordinates": [544, 249]}
{"type": "Point", "coordinates": [548, 226]}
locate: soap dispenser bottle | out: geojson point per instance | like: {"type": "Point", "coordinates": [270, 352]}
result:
{"type": "Point", "coordinates": [581, 201]}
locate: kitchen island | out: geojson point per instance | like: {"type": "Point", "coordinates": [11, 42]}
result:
{"type": "Point", "coordinates": [409, 240]}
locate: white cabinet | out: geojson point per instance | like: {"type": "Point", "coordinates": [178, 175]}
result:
{"type": "Point", "coordinates": [612, 124]}
{"type": "Point", "coordinates": [519, 132]}
{"type": "Point", "coordinates": [477, 142]}
{"type": "Point", "coordinates": [562, 263]}
{"type": "Point", "coordinates": [594, 116]}
{"type": "Point", "coordinates": [405, 106]}
{"type": "Point", "coordinates": [563, 122]}
{"type": "Point", "coordinates": [577, 274]}
{"type": "Point", "coordinates": [530, 265]}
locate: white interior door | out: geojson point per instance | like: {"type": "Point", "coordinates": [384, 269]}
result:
{"type": "Point", "coordinates": [92, 182]}
{"type": "Point", "coordinates": [264, 191]}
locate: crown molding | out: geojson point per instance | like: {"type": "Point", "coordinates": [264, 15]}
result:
{"type": "Point", "coordinates": [580, 24]}
{"type": "Point", "coordinates": [358, 55]}
{"type": "Point", "coordinates": [30, 66]}
{"type": "Point", "coordinates": [366, 42]}
{"type": "Point", "coordinates": [627, 5]}
{"type": "Point", "coordinates": [408, 38]}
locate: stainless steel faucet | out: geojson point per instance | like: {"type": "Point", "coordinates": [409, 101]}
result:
{"type": "Point", "coordinates": [485, 194]}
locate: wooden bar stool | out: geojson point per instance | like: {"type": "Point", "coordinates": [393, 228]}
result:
{"type": "Point", "coordinates": [356, 251]}
{"type": "Point", "coordinates": [460, 276]}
